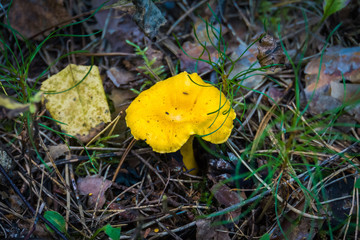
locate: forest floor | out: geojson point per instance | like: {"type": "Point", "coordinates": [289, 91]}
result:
{"type": "Point", "coordinates": [71, 168]}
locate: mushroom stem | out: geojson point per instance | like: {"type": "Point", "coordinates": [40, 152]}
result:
{"type": "Point", "coordinates": [187, 153]}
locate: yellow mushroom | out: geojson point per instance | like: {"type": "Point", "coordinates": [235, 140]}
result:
{"type": "Point", "coordinates": [171, 112]}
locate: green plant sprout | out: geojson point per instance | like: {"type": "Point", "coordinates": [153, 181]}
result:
{"type": "Point", "coordinates": [156, 73]}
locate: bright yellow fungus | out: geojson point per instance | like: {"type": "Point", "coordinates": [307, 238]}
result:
{"type": "Point", "coordinates": [169, 113]}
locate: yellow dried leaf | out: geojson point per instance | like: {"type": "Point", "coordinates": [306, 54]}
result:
{"type": "Point", "coordinates": [84, 108]}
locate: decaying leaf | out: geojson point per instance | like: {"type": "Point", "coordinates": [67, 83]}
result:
{"type": "Point", "coordinates": [57, 151]}
{"type": "Point", "coordinates": [31, 17]}
{"type": "Point", "coordinates": [83, 109]}
{"type": "Point", "coordinates": [297, 227]}
{"type": "Point", "coordinates": [338, 81]}
{"type": "Point", "coordinates": [119, 76]}
{"type": "Point", "coordinates": [248, 79]}
{"type": "Point", "coordinates": [119, 26]}
{"type": "Point", "coordinates": [227, 198]}
{"type": "Point", "coordinates": [207, 34]}
{"type": "Point", "coordinates": [205, 230]}
{"type": "Point", "coordinates": [195, 50]}
{"type": "Point", "coordinates": [93, 186]}
{"type": "Point", "coordinates": [121, 100]}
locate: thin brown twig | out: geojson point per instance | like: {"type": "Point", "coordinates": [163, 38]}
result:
{"type": "Point", "coordinates": [131, 144]}
{"type": "Point", "coordinates": [184, 16]}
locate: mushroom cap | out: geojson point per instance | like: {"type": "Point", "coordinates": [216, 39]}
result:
{"type": "Point", "coordinates": [169, 112]}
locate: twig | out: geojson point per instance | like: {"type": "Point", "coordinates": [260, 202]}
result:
{"type": "Point", "coordinates": [131, 144]}
{"type": "Point", "coordinates": [184, 16]}
{"type": "Point", "coordinates": [149, 166]}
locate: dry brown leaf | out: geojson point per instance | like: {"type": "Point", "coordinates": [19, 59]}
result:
{"type": "Point", "coordinates": [248, 59]}
{"type": "Point", "coordinates": [31, 17]}
{"type": "Point", "coordinates": [93, 186]}
{"type": "Point", "coordinates": [205, 230]}
{"type": "Point", "coordinates": [119, 76]}
{"type": "Point", "coordinates": [57, 151]}
{"type": "Point", "coordinates": [195, 50]}
{"type": "Point", "coordinates": [327, 90]}
{"type": "Point", "coordinates": [296, 227]}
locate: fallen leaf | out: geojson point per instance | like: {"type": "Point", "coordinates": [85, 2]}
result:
{"type": "Point", "coordinates": [274, 94]}
{"type": "Point", "coordinates": [248, 61]}
{"type": "Point", "coordinates": [227, 198]}
{"type": "Point", "coordinates": [121, 100]}
{"type": "Point", "coordinates": [32, 17]}
{"type": "Point", "coordinates": [335, 61]}
{"type": "Point", "coordinates": [340, 209]}
{"type": "Point", "coordinates": [205, 33]}
{"type": "Point", "coordinates": [57, 151]}
{"type": "Point", "coordinates": [206, 230]}
{"type": "Point", "coordinates": [40, 230]}
{"type": "Point", "coordinates": [195, 50]}
{"type": "Point", "coordinates": [326, 90]}
{"type": "Point", "coordinates": [83, 109]}
{"type": "Point", "coordinates": [119, 27]}
{"type": "Point", "coordinates": [119, 76]}
{"type": "Point", "coordinates": [93, 186]}
{"type": "Point", "coordinates": [126, 215]}
{"type": "Point", "coordinates": [296, 227]}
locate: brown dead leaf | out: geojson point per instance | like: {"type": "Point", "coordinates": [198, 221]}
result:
{"type": "Point", "coordinates": [335, 61]}
{"type": "Point", "coordinates": [249, 80]}
{"type": "Point", "coordinates": [275, 94]}
{"type": "Point", "coordinates": [205, 34]}
{"type": "Point", "coordinates": [40, 229]}
{"type": "Point", "coordinates": [31, 17]}
{"type": "Point", "coordinates": [121, 100]}
{"type": "Point", "coordinates": [119, 76]}
{"type": "Point", "coordinates": [120, 27]}
{"type": "Point", "coordinates": [121, 97]}
{"type": "Point", "coordinates": [327, 90]}
{"type": "Point", "coordinates": [205, 230]}
{"type": "Point", "coordinates": [227, 198]}
{"type": "Point", "coordinates": [195, 50]}
{"type": "Point", "coordinates": [127, 215]}
{"type": "Point", "coordinates": [93, 186]}
{"type": "Point", "coordinates": [57, 151]}
{"type": "Point", "coordinates": [298, 228]}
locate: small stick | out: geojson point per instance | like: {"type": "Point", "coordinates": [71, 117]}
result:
{"type": "Point", "coordinates": [131, 144]}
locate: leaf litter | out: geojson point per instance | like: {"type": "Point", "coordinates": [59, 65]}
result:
{"type": "Point", "coordinates": [303, 156]}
